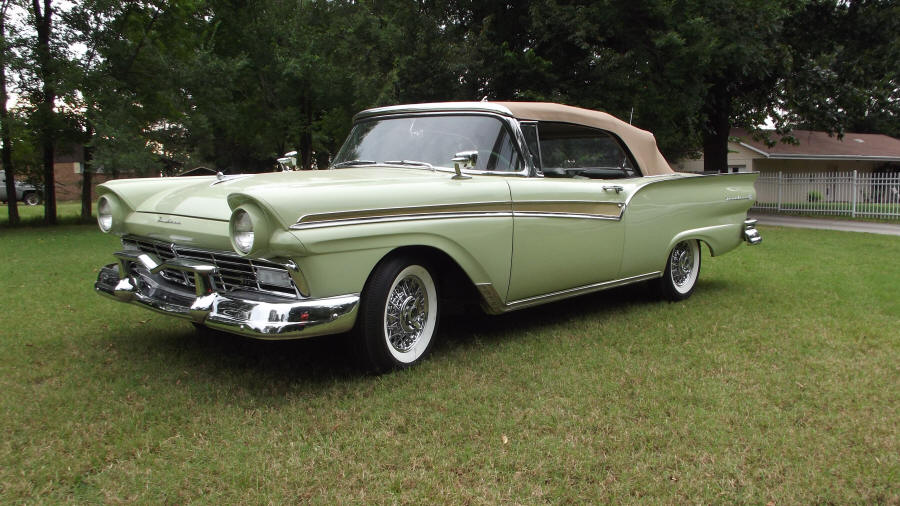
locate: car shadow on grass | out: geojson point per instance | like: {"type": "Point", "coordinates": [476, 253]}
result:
{"type": "Point", "coordinates": [464, 330]}
{"type": "Point", "coordinates": [276, 367]}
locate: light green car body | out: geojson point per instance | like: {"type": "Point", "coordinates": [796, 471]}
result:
{"type": "Point", "coordinates": [513, 258]}
{"type": "Point", "coordinates": [512, 237]}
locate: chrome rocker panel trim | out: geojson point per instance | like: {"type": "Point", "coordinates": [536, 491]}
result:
{"type": "Point", "coordinates": [493, 304]}
{"type": "Point", "coordinates": [244, 313]}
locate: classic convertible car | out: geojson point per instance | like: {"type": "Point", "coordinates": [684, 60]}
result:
{"type": "Point", "coordinates": [508, 204]}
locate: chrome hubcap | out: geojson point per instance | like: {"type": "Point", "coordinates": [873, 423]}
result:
{"type": "Point", "coordinates": [406, 314]}
{"type": "Point", "coordinates": [682, 263]}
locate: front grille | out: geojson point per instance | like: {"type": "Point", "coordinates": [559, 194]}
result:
{"type": "Point", "coordinates": [233, 272]}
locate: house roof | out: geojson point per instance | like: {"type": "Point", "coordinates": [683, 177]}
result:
{"type": "Point", "coordinates": [815, 145]}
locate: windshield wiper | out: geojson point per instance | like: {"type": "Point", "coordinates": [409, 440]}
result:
{"type": "Point", "coordinates": [353, 163]}
{"type": "Point", "coordinates": [414, 163]}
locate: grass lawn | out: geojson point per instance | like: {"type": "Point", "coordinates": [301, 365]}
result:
{"type": "Point", "coordinates": [779, 380]}
{"type": "Point", "coordinates": [66, 212]}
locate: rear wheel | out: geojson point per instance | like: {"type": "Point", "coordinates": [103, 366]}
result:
{"type": "Point", "coordinates": [398, 315]}
{"type": "Point", "coordinates": [682, 271]}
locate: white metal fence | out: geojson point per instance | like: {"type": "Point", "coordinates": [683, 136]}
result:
{"type": "Point", "coordinates": [874, 195]}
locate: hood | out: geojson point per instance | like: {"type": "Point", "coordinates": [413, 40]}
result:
{"type": "Point", "coordinates": [290, 195]}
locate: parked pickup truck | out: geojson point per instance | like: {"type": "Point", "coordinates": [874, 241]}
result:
{"type": "Point", "coordinates": [27, 193]}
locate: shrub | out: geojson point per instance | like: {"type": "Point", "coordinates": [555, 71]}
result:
{"type": "Point", "coordinates": [813, 196]}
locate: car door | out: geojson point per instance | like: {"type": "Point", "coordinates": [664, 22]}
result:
{"type": "Point", "coordinates": [567, 231]}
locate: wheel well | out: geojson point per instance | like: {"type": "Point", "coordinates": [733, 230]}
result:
{"type": "Point", "coordinates": [700, 243]}
{"type": "Point", "coordinates": [453, 281]}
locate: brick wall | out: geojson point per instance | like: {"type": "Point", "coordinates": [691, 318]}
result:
{"type": "Point", "coordinates": [68, 181]}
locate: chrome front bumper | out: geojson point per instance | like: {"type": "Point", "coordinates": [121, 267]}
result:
{"type": "Point", "coordinates": [136, 279]}
{"type": "Point", "coordinates": [751, 235]}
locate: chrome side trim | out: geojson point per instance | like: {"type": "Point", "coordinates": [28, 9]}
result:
{"type": "Point", "coordinates": [409, 217]}
{"type": "Point", "coordinates": [430, 211]}
{"type": "Point", "coordinates": [580, 209]}
{"type": "Point", "coordinates": [589, 209]}
{"type": "Point", "coordinates": [381, 212]}
{"type": "Point", "coordinates": [529, 214]}
{"type": "Point", "coordinates": [493, 303]}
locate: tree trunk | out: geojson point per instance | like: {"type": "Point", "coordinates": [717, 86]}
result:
{"type": "Point", "coordinates": [86, 177]}
{"type": "Point", "coordinates": [45, 108]}
{"type": "Point", "coordinates": [717, 129]}
{"type": "Point", "coordinates": [4, 126]}
{"type": "Point", "coordinates": [306, 137]}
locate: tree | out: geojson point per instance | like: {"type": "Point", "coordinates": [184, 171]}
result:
{"type": "Point", "coordinates": [45, 67]}
{"type": "Point", "coordinates": [847, 77]}
{"type": "Point", "coordinates": [5, 118]}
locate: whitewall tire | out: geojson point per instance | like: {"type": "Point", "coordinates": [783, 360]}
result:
{"type": "Point", "coordinates": [682, 271]}
{"type": "Point", "coordinates": [398, 315]}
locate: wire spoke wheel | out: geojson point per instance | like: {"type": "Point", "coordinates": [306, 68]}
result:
{"type": "Point", "coordinates": [682, 263]}
{"type": "Point", "coordinates": [398, 315]}
{"type": "Point", "coordinates": [406, 313]}
{"type": "Point", "coordinates": [682, 271]}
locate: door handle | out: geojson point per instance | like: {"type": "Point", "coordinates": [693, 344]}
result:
{"type": "Point", "coordinates": [615, 187]}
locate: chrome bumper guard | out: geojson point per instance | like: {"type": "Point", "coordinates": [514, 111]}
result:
{"type": "Point", "coordinates": [751, 235]}
{"type": "Point", "coordinates": [135, 279]}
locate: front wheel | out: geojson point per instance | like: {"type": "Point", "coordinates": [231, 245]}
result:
{"type": "Point", "coordinates": [31, 199]}
{"type": "Point", "coordinates": [398, 315]}
{"type": "Point", "coordinates": [682, 271]}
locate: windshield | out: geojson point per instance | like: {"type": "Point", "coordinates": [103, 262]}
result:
{"type": "Point", "coordinates": [423, 141]}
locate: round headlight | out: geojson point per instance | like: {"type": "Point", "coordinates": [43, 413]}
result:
{"type": "Point", "coordinates": [104, 214]}
{"type": "Point", "coordinates": [242, 231]}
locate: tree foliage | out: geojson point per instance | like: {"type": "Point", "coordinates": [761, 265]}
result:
{"type": "Point", "coordinates": [154, 86]}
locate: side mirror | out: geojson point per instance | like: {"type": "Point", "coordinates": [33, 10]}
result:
{"type": "Point", "coordinates": [288, 161]}
{"type": "Point", "coordinates": [464, 160]}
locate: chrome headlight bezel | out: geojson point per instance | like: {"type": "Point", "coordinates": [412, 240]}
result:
{"type": "Point", "coordinates": [105, 211]}
{"type": "Point", "coordinates": [241, 230]}
{"type": "Point", "coordinates": [249, 229]}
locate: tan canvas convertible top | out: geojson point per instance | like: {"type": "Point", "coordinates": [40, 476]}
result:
{"type": "Point", "coordinates": [641, 142]}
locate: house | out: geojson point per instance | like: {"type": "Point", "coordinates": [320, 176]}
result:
{"type": "Point", "coordinates": [68, 164]}
{"type": "Point", "coordinates": [814, 152]}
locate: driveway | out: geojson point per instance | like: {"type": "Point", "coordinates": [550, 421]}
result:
{"type": "Point", "coordinates": [827, 224]}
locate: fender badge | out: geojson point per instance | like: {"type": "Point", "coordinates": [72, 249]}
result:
{"type": "Point", "coordinates": [168, 220]}
{"type": "Point", "coordinates": [740, 197]}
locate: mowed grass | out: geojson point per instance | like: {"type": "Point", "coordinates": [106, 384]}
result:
{"type": "Point", "coordinates": [779, 380]}
{"type": "Point", "coordinates": [66, 212]}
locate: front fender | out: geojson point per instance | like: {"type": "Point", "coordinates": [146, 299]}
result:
{"type": "Point", "coordinates": [340, 259]}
